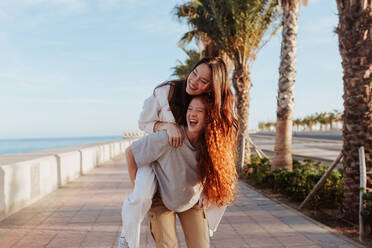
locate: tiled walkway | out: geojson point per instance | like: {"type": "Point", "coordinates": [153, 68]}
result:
{"type": "Point", "coordinates": [86, 213]}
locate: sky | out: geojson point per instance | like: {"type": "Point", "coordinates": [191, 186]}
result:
{"type": "Point", "coordinates": [73, 68]}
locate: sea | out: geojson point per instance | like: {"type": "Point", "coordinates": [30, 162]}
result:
{"type": "Point", "coordinates": [13, 146]}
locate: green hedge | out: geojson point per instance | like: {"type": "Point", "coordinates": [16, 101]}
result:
{"type": "Point", "coordinates": [298, 183]}
{"type": "Point", "coordinates": [367, 207]}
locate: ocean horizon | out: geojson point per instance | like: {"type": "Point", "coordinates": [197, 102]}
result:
{"type": "Point", "coordinates": [14, 146]}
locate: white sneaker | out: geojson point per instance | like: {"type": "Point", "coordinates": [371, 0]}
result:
{"type": "Point", "coordinates": [122, 242]}
{"type": "Point", "coordinates": [210, 233]}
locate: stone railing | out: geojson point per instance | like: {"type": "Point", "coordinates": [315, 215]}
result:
{"type": "Point", "coordinates": [22, 183]}
{"type": "Point", "coordinates": [134, 134]}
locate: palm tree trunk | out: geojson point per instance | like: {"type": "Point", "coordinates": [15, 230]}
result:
{"type": "Point", "coordinates": [242, 85]}
{"type": "Point", "coordinates": [285, 101]}
{"type": "Point", "coordinates": [355, 42]}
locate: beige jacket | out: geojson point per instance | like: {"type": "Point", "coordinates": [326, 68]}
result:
{"type": "Point", "coordinates": [155, 108]}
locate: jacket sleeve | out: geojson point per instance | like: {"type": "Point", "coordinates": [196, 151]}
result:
{"type": "Point", "coordinates": [149, 114]}
{"type": "Point", "coordinates": [152, 107]}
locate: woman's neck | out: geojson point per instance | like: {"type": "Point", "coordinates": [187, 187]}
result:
{"type": "Point", "coordinates": [193, 137]}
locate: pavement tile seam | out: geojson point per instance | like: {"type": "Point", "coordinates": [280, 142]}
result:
{"type": "Point", "coordinates": [246, 237]}
{"type": "Point", "coordinates": [264, 225]}
{"type": "Point", "coordinates": [37, 239]}
{"type": "Point", "coordinates": [105, 219]}
{"type": "Point", "coordinates": [320, 225]}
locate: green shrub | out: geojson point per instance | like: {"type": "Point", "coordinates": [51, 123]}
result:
{"type": "Point", "coordinates": [259, 170]}
{"type": "Point", "coordinates": [367, 207]}
{"type": "Point", "coordinates": [298, 183]}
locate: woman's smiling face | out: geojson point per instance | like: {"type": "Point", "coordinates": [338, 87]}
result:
{"type": "Point", "coordinates": [199, 80]}
{"type": "Point", "coordinates": [196, 115]}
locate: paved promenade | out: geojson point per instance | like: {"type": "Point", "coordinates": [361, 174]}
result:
{"type": "Point", "coordinates": [317, 149]}
{"type": "Point", "coordinates": [86, 213]}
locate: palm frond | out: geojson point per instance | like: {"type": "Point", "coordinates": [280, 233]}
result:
{"type": "Point", "coordinates": [182, 69]}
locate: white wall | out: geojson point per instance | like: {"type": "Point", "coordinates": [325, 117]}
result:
{"type": "Point", "coordinates": [25, 182]}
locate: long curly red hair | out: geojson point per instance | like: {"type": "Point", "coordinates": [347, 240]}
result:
{"type": "Point", "coordinates": [216, 150]}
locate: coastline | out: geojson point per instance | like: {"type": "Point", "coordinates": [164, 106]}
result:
{"type": "Point", "coordinates": [24, 156]}
{"type": "Point", "coordinates": [26, 145]}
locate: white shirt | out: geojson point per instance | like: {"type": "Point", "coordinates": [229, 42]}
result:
{"type": "Point", "coordinates": [156, 108]}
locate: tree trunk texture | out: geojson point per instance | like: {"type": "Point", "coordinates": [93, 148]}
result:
{"type": "Point", "coordinates": [242, 85]}
{"type": "Point", "coordinates": [355, 46]}
{"type": "Point", "coordinates": [285, 101]}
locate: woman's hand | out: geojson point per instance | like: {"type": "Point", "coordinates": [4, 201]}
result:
{"type": "Point", "coordinates": [175, 134]}
{"type": "Point", "coordinates": [204, 203]}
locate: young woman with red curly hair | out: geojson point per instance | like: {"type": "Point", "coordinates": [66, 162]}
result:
{"type": "Point", "coordinates": [165, 110]}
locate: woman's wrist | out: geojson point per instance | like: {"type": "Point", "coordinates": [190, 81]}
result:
{"type": "Point", "coordinates": [160, 125]}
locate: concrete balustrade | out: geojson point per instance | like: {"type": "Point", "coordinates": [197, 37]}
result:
{"type": "Point", "coordinates": [69, 166]}
{"type": "Point", "coordinates": [25, 182]}
{"type": "Point", "coordinates": [134, 134]}
{"type": "Point", "coordinates": [22, 183]}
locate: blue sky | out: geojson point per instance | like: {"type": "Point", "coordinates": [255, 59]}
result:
{"type": "Point", "coordinates": [84, 67]}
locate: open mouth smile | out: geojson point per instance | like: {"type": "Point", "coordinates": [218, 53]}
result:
{"type": "Point", "coordinates": [193, 122]}
{"type": "Point", "coordinates": [191, 87]}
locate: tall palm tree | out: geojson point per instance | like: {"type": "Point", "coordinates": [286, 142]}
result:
{"type": "Point", "coordinates": [287, 76]}
{"type": "Point", "coordinates": [237, 27]}
{"type": "Point", "coordinates": [355, 41]}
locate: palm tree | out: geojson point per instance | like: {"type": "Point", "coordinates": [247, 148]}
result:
{"type": "Point", "coordinates": [237, 27]}
{"type": "Point", "coordinates": [287, 76]}
{"type": "Point", "coordinates": [331, 117]}
{"type": "Point", "coordinates": [355, 41]}
{"type": "Point", "coordinates": [312, 120]}
{"type": "Point", "coordinates": [321, 119]}
{"type": "Point", "coordinates": [316, 119]}
{"type": "Point", "coordinates": [209, 49]}
{"type": "Point", "coordinates": [302, 124]}
{"type": "Point", "coordinates": [183, 69]}
{"type": "Point", "coordinates": [268, 126]}
{"type": "Point", "coordinates": [261, 126]}
{"type": "Point", "coordinates": [339, 119]}
{"type": "Point", "coordinates": [309, 122]}
{"type": "Point", "coordinates": [297, 123]}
